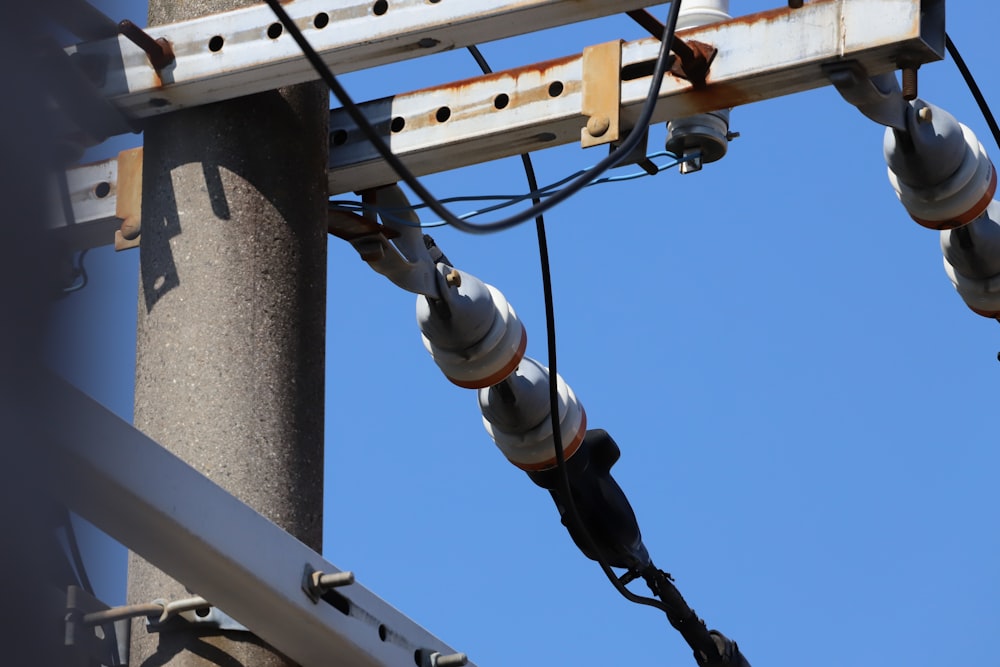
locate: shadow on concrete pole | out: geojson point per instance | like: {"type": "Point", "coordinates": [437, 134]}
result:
{"type": "Point", "coordinates": [231, 319]}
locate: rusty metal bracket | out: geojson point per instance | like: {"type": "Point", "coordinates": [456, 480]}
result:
{"type": "Point", "coordinates": [693, 60]}
{"type": "Point", "coordinates": [128, 203]}
{"type": "Point", "coordinates": [316, 583]}
{"type": "Point", "coordinates": [159, 51]}
{"type": "Point", "coordinates": [602, 93]}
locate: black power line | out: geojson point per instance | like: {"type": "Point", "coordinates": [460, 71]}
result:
{"type": "Point", "coordinates": [970, 81]}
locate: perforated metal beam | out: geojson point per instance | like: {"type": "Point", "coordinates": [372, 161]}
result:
{"type": "Point", "coordinates": [761, 56]}
{"type": "Point", "coordinates": [231, 54]}
{"type": "Point", "coordinates": [164, 510]}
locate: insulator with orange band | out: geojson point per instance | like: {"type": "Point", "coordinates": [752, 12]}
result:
{"type": "Point", "coordinates": [972, 261]}
{"type": "Point", "coordinates": [473, 334]}
{"type": "Point", "coordinates": [939, 169]}
{"type": "Point", "coordinates": [517, 415]}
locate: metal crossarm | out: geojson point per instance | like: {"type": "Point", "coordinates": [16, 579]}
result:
{"type": "Point", "coordinates": [164, 510]}
{"type": "Point", "coordinates": [760, 56]}
{"type": "Point", "coordinates": [245, 51]}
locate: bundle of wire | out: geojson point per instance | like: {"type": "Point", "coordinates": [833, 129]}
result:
{"type": "Point", "coordinates": [507, 200]}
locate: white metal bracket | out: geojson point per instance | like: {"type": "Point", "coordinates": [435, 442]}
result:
{"type": "Point", "coordinates": [760, 56]}
{"type": "Point", "coordinates": [231, 54]}
{"type": "Point", "coordinates": [154, 503]}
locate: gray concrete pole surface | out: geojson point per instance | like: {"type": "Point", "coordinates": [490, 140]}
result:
{"type": "Point", "coordinates": [231, 320]}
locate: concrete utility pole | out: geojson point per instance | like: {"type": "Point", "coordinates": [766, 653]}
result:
{"type": "Point", "coordinates": [231, 319]}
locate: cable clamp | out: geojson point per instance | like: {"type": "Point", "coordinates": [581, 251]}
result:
{"type": "Point", "coordinates": [877, 97]}
{"type": "Point", "coordinates": [396, 248]}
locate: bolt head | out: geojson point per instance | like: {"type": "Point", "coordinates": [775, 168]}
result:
{"type": "Point", "coordinates": [454, 278]}
{"type": "Point", "coordinates": [130, 228]}
{"type": "Point", "coordinates": [598, 126]}
{"type": "Point", "coordinates": [925, 115]}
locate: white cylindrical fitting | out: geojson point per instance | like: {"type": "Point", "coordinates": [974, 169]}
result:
{"type": "Point", "coordinates": [702, 12]}
{"type": "Point", "coordinates": [706, 134]}
{"type": "Point", "coordinates": [517, 415]}
{"type": "Point", "coordinates": [957, 200]}
{"type": "Point", "coordinates": [480, 341]}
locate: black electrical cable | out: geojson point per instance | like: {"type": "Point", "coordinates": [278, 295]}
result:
{"type": "Point", "coordinates": [970, 81]}
{"type": "Point", "coordinates": [624, 149]}
{"type": "Point", "coordinates": [666, 588]}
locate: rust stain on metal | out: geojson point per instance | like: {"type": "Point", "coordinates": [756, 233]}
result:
{"type": "Point", "coordinates": [541, 69]}
{"type": "Point", "coordinates": [712, 97]}
{"type": "Point", "coordinates": [522, 85]}
{"type": "Point", "coordinates": [159, 51]}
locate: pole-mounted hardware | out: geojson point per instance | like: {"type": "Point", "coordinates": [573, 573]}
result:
{"type": "Point", "coordinates": [159, 51]}
{"type": "Point", "coordinates": [517, 411]}
{"type": "Point", "coordinates": [395, 248]}
{"type": "Point", "coordinates": [316, 583]}
{"type": "Point", "coordinates": [702, 138]}
{"type": "Point", "coordinates": [602, 94]}
{"type": "Point", "coordinates": [877, 97]}
{"type": "Point", "coordinates": [96, 631]}
{"type": "Point", "coordinates": [942, 176]}
{"type": "Point", "coordinates": [430, 658]}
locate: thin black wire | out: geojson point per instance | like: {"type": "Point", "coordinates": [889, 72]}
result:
{"type": "Point", "coordinates": [79, 275]}
{"type": "Point", "coordinates": [75, 554]}
{"type": "Point", "coordinates": [550, 331]}
{"type": "Point", "coordinates": [970, 81]}
{"type": "Point", "coordinates": [425, 195]}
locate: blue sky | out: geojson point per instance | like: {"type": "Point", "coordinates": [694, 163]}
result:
{"type": "Point", "coordinates": [806, 409]}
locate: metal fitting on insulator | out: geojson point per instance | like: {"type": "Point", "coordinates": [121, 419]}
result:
{"type": "Point", "coordinates": [471, 331]}
{"type": "Point", "coordinates": [703, 137]}
{"type": "Point", "coordinates": [517, 415]}
{"type": "Point", "coordinates": [972, 261]}
{"type": "Point", "coordinates": [938, 168]}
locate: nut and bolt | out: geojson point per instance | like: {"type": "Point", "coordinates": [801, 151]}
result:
{"type": "Point", "coordinates": [130, 228]}
{"type": "Point", "coordinates": [454, 278]}
{"type": "Point", "coordinates": [925, 115]}
{"type": "Point", "coordinates": [159, 51]}
{"type": "Point", "coordinates": [910, 82]}
{"type": "Point", "coordinates": [598, 126]}
{"type": "Point", "coordinates": [316, 583]}
{"type": "Point", "coordinates": [453, 660]}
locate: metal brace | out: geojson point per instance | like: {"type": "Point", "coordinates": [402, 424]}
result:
{"type": "Point", "coordinates": [128, 202]}
{"type": "Point", "coordinates": [104, 643]}
{"type": "Point", "coordinates": [602, 94]}
{"type": "Point", "coordinates": [878, 97]}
